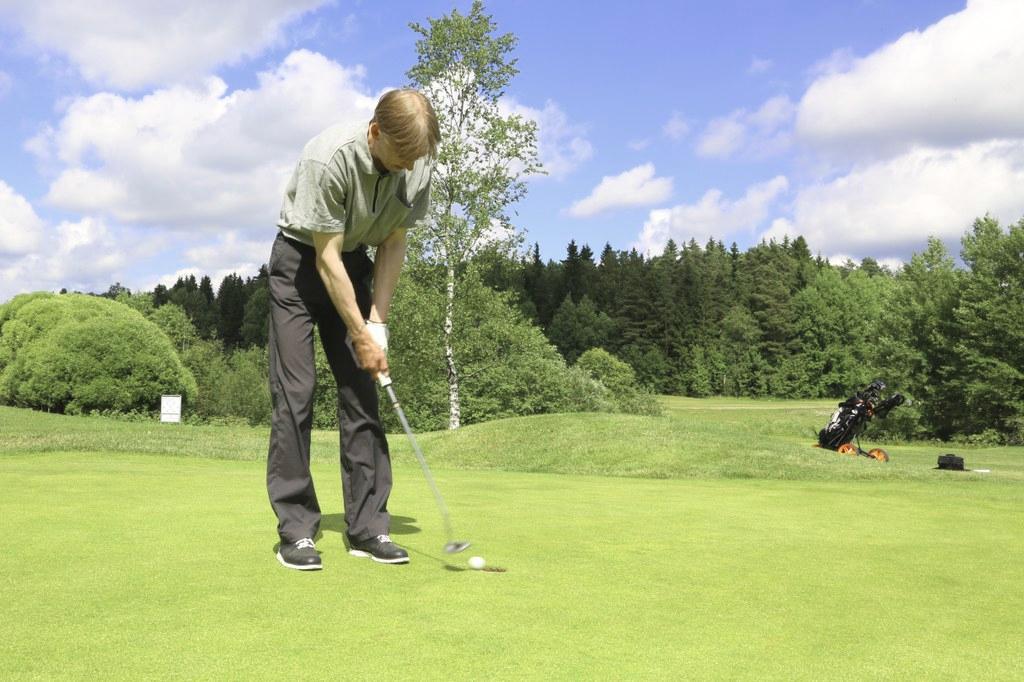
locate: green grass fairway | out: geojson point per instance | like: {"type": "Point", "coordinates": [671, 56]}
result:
{"type": "Point", "coordinates": [684, 563]}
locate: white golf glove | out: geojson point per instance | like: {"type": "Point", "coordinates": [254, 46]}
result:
{"type": "Point", "coordinates": [379, 334]}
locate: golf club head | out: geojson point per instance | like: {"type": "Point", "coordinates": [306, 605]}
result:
{"type": "Point", "coordinates": [456, 546]}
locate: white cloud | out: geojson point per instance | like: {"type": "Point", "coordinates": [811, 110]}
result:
{"type": "Point", "coordinates": [758, 66]}
{"type": "Point", "coordinates": [639, 145]}
{"type": "Point", "coordinates": [561, 145]}
{"type": "Point", "coordinates": [497, 235]}
{"type": "Point", "coordinates": [21, 230]}
{"type": "Point", "coordinates": [129, 44]}
{"type": "Point", "coordinates": [759, 133]}
{"type": "Point", "coordinates": [712, 216]}
{"type": "Point", "coordinates": [230, 253]}
{"type": "Point", "coordinates": [90, 254]}
{"type": "Point", "coordinates": [780, 228]}
{"type": "Point", "coordinates": [722, 137]}
{"type": "Point", "coordinates": [958, 81]}
{"type": "Point", "coordinates": [197, 158]}
{"type": "Point", "coordinates": [265, 123]}
{"type": "Point", "coordinates": [923, 136]}
{"type": "Point", "coordinates": [635, 187]}
{"type": "Point", "coordinates": [169, 280]}
{"type": "Point", "coordinates": [839, 61]}
{"type": "Point", "coordinates": [676, 128]}
{"type": "Point", "coordinates": [84, 249]}
{"type": "Point", "coordinates": [886, 209]}
{"type": "Point", "coordinates": [773, 114]}
{"type": "Point", "coordinates": [891, 264]}
{"type": "Point", "coordinates": [217, 259]}
{"type": "Point", "coordinates": [324, 28]}
{"type": "Point", "coordinates": [85, 255]}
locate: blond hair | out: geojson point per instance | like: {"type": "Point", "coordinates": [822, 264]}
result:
{"type": "Point", "coordinates": [407, 121]}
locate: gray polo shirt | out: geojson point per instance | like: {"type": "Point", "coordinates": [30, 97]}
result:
{"type": "Point", "coordinates": [336, 188]}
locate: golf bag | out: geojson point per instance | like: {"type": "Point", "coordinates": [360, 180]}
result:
{"type": "Point", "coordinates": [852, 417]}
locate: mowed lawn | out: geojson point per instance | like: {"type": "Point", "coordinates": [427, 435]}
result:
{"type": "Point", "coordinates": [685, 563]}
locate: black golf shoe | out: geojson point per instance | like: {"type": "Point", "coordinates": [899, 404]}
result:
{"type": "Point", "coordinates": [380, 549]}
{"type": "Point", "coordinates": [301, 555]}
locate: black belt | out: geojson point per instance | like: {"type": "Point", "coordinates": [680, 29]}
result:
{"type": "Point", "coordinates": [303, 245]}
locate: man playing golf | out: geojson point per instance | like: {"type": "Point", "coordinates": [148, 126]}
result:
{"type": "Point", "coordinates": [353, 187]}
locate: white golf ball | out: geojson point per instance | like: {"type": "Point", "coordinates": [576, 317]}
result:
{"type": "Point", "coordinates": [477, 562]}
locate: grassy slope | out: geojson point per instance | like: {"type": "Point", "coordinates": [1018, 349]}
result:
{"type": "Point", "coordinates": [126, 566]}
{"type": "Point", "coordinates": [715, 438]}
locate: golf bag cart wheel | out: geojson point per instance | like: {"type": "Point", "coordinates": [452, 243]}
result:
{"type": "Point", "coordinates": [847, 449]}
{"type": "Point", "coordinates": [879, 454]}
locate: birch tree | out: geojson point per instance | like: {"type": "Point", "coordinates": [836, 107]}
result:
{"type": "Point", "coordinates": [486, 153]}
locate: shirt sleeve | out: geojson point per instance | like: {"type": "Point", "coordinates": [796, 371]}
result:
{"type": "Point", "coordinates": [319, 203]}
{"type": "Point", "coordinates": [418, 214]}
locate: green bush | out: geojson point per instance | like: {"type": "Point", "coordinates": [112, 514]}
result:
{"type": "Point", "coordinates": [624, 393]}
{"type": "Point", "coordinates": [174, 322]}
{"type": "Point", "coordinates": [986, 438]}
{"type": "Point", "coordinates": [230, 388]}
{"type": "Point", "coordinates": [9, 310]}
{"type": "Point", "coordinates": [13, 336]}
{"type": "Point", "coordinates": [531, 379]}
{"type": "Point", "coordinates": [615, 374]}
{"type": "Point", "coordinates": [247, 387]}
{"type": "Point", "coordinates": [25, 317]}
{"type": "Point", "coordinates": [206, 360]}
{"type": "Point", "coordinates": [76, 354]}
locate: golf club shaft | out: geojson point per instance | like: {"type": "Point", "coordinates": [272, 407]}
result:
{"type": "Point", "coordinates": [419, 455]}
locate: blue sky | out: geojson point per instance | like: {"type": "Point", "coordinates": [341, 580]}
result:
{"type": "Point", "coordinates": [141, 141]}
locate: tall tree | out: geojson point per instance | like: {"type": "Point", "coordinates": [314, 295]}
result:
{"type": "Point", "coordinates": [206, 315]}
{"type": "Point", "coordinates": [160, 295]}
{"type": "Point", "coordinates": [588, 272]}
{"type": "Point", "coordinates": [257, 309]}
{"type": "Point", "coordinates": [634, 313]}
{"type": "Point", "coordinates": [572, 273]}
{"type": "Point", "coordinates": [185, 294]}
{"type": "Point", "coordinates": [832, 349]}
{"type": "Point", "coordinates": [720, 289]}
{"type": "Point", "coordinates": [990, 319]}
{"type": "Point", "coordinates": [230, 305]}
{"type": "Point", "coordinates": [463, 67]}
{"type": "Point", "coordinates": [768, 279]}
{"type": "Point", "coordinates": [667, 327]}
{"type": "Point", "coordinates": [917, 339]}
{"type": "Point", "coordinates": [533, 285]}
{"type": "Point", "coordinates": [606, 281]}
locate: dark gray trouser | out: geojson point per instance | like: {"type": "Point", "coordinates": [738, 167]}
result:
{"type": "Point", "coordinates": [298, 299]}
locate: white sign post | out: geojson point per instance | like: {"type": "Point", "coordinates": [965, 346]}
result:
{"type": "Point", "coordinates": [170, 408]}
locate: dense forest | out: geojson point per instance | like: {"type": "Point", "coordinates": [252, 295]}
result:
{"type": "Point", "coordinates": [706, 319]}
{"type": "Point", "coordinates": [774, 320]}
{"type": "Point", "coordinates": [697, 320]}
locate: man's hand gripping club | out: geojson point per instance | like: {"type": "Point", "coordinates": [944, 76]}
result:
{"type": "Point", "coordinates": [369, 348]}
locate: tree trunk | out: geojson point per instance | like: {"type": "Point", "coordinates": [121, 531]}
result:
{"type": "Point", "coordinates": [449, 354]}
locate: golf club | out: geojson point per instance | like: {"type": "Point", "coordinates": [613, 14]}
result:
{"type": "Point", "coordinates": [452, 546]}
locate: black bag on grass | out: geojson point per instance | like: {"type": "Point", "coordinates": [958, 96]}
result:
{"type": "Point", "coordinates": [853, 415]}
{"type": "Point", "coordinates": [951, 462]}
